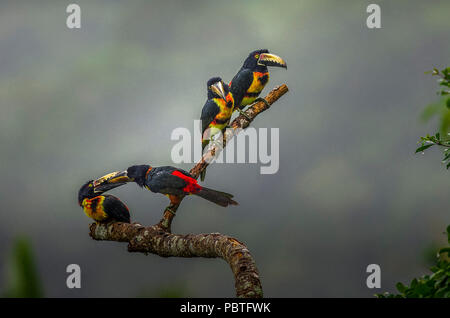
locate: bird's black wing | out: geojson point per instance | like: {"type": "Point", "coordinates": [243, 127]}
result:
{"type": "Point", "coordinates": [163, 181]}
{"type": "Point", "coordinates": [209, 112]}
{"type": "Point", "coordinates": [116, 209]}
{"type": "Point", "coordinates": [240, 83]}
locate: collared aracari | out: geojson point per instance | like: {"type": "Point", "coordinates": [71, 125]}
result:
{"type": "Point", "coordinates": [170, 181]}
{"type": "Point", "coordinates": [248, 83]}
{"type": "Point", "coordinates": [216, 112]}
{"type": "Point", "coordinates": [102, 207]}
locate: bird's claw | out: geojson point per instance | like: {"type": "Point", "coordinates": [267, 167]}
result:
{"type": "Point", "coordinates": [244, 114]}
{"type": "Point", "coordinates": [260, 99]}
{"type": "Point", "coordinates": [171, 211]}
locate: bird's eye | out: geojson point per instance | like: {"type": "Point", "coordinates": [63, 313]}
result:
{"type": "Point", "coordinates": [256, 56]}
{"type": "Point", "coordinates": [90, 185]}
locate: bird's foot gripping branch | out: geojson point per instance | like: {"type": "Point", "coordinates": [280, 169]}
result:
{"type": "Point", "coordinates": [159, 240]}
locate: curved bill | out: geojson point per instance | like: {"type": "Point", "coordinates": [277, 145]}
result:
{"type": "Point", "coordinates": [218, 89]}
{"type": "Point", "coordinates": [111, 181]}
{"type": "Point", "coordinates": [269, 59]}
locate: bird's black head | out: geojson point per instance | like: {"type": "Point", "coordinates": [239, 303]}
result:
{"type": "Point", "coordinates": [258, 61]}
{"type": "Point", "coordinates": [217, 88]}
{"type": "Point", "coordinates": [137, 173]}
{"type": "Point", "coordinates": [212, 81]}
{"type": "Point", "coordinates": [86, 191]}
{"type": "Point", "coordinates": [251, 62]}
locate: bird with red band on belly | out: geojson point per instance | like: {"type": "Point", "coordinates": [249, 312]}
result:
{"type": "Point", "coordinates": [170, 181]}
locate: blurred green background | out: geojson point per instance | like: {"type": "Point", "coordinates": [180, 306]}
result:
{"type": "Point", "coordinates": [76, 104]}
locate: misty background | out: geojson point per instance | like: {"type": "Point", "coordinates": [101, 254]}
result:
{"type": "Point", "coordinates": [77, 104]}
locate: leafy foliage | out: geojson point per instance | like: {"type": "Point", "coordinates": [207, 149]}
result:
{"type": "Point", "coordinates": [444, 80]}
{"type": "Point", "coordinates": [23, 280]}
{"type": "Point", "coordinates": [436, 285]}
{"type": "Point", "coordinates": [429, 141]}
{"type": "Point", "coordinates": [442, 108]}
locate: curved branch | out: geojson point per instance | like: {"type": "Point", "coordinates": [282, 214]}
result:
{"type": "Point", "coordinates": [214, 245]}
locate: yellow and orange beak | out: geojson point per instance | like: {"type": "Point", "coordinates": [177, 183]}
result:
{"type": "Point", "coordinates": [111, 181]}
{"type": "Point", "coordinates": [269, 59]}
{"type": "Point", "coordinates": [218, 89]}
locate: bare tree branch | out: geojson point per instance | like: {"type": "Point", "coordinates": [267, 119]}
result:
{"type": "Point", "coordinates": [153, 240]}
{"type": "Point", "coordinates": [159, 240]}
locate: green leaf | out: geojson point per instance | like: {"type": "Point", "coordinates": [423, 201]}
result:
{"type": "Point", "coordinates": [446, 156]}
{"type": "Point", "coordinates": [401, 288]}
{"type": "Point", "coordinates": [446, 71]}
{"type": "Point", "coordinates": [23, 278]}
{"type": "Point", "coordinates": [422, 148]}
{"type": "Point", "coordinates": [444, 250]}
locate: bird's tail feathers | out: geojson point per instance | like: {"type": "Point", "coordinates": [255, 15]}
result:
{"type": "Point", "coordinates": [221, 198]}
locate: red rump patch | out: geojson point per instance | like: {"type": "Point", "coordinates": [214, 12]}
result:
{"type": "Point", "coordinates": [192, 186]}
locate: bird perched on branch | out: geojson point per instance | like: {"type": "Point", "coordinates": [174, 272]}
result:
{"type": "Point", "coordinates": [170, 181]}
{"type": "Point", "coordinates": [248, 83]}
{"type": "Point", "coordinates": [102, 207]}
{"type": "Point", "coordinates": [216, 112]}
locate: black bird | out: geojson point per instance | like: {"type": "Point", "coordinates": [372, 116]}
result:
{"type": "Point", "coordinates": [216, 112]}
{"type": "Point", "coordinates": [170, 181]}
{"type": "Point", "coordinates": [102, 207]}
{"type": "Point", "coordinates": [248, 83]}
